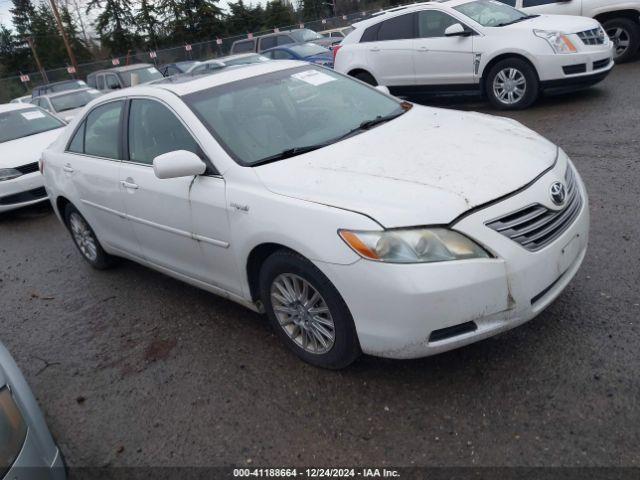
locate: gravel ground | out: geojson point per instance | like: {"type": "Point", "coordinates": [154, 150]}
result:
{"type": "Point", "coordinates": [134, 368]}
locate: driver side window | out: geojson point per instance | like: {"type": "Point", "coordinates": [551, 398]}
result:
{"type": "Point", "coordinates": [154, 130]}
{"type": "Point", "coordinates": [433, 23]}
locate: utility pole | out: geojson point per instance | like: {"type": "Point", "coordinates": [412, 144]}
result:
{"type": "Point", "coordinates": [37, 59]}
{"type": "Point", "coordinates": [56, 14]}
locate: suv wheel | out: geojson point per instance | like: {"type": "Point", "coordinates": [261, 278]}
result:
{"type": "Point", "coordinates": [512, 84]}
{"type": "Point", "coordinates": [625, 35]}
{"type": "Point", "coordinates": [86, 240]}
{"type": "Point", "coordinates": [307, 312]}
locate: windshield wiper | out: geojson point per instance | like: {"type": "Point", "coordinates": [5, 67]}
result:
{"type": "Point", "coordinates": [517, 20]}
{"type": "Point", "coordinates": [288, 153]}
{"type": "Point", "coordinates": [292, 152]}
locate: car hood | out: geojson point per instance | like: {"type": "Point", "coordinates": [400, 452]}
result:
{"type": "Point", "coordinates": [561, 23]}
{"type": "Point", "coordinates": [26, 149]}
{"type": "Point", "coordinates": [426, 167]}
{"type": "Point", "coordinates": [325, 42]}
{"type": "Point", "coordinates": [69, 115]}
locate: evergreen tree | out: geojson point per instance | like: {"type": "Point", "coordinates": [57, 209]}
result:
{"type": "Point", "coordinates": [314, 9]}
{"type": "Point", "coordinates": [22, 13]}
{"type": "Point", "coordinates": [80, 49]}
{"type": "Point", "coordinates": [147, 23]}
{"type": "Point", "coordinates": [242, 18]}
{"type": "Point", "coordinates": [277, 14]}
{"type": "Point", "coordinates": [115, 24]}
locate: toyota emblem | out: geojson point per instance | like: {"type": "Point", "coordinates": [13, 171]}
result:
{"type": "Point", "coordinates": [558, 193]}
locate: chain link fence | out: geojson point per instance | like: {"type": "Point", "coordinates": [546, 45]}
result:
{"type": "Point", "coordinates": [13, 87]}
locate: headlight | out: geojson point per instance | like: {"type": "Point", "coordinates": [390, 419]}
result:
{"type": "Point", "coordinates": [13, 430]}
{"type": "Point", "coordinates": [414, 245]}
{"type": "Point", "coordinates": [558, 41]}
{"type": "Point", "coordinates": [9, 173]}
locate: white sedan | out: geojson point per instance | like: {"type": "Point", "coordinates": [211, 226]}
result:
{"type": "Point", "coordinates": [477, 45]}
{"type": "Point", "coordinates": [25, 131]}
{"type": "Point", "coordinates": [66, 104]}
{"type": "Point", "coordinates": [357, 222]}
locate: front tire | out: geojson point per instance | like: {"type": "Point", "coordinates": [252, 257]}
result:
{"type": "Point", "coordinates": [625, 35]}
{"type": "Point", "coordinates": [86, 241]}
{"type": "Point", "coordinates": [512, 84]}
{"type": "Point", "coordinates": [307, 312]}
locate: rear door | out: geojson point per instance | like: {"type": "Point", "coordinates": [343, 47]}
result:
{"type": "Point", "coordinates": [92, 161]}
{"type": "Point", "coordinates": [438, 59]}
{"type": "Point", "coordinates": [390, 51]}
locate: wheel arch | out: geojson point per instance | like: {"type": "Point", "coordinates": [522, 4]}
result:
{"type": "Point", "coordinates": [354, 71]}
{"type": "Point", "coordinates": [256, 259]}
{"type": "Point", "coordinates": [630, 14]}
{"type": "Point", "coordinates": [61, 204]}
{"type": "Point", "coordinates": [504, 56]}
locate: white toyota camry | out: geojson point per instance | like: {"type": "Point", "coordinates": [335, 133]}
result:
{"type": "Point", "coordinates": [357, 222]}
{"type": "Point", "coordinates": [25, 131]}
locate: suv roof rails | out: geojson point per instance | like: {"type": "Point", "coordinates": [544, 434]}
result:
{"type": "Point", "coordinates": [401, 7]}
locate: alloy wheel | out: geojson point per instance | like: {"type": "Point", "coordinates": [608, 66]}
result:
{"type": "Point", "coordinates": [621, 40]}
{"type": "Point", "coordinates": [83, 236]}
{"type": "Point", "coordinates": [302, 313]}
{"type": "Point", "coordinates": [509, 86]}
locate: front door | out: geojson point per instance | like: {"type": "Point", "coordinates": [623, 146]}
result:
{"type": "Point", "coordinates": [390, 53]}
{"type": "Point", "coordinates": [442, 60]}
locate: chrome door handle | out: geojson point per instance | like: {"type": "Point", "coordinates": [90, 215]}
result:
{"type": "Point", "coordinates": [130, 185]}
{"type": "Point", "coordinates": [68, 168]}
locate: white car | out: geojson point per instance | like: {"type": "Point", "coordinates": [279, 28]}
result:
{"type": "Point", "coordinates": [25, 131]}
{"type": "Point", "coordinates": [66, 104]}
{"type": "Point", "coordinates": [460, 45]}
{"type": "Point", "coordinates": [216, 64]}
{"type": "Point", "coordinates": [24, 99]}
{"type": "Point", "coordinates": [620, 18]}
{"type": "Point", "coordinates": [357, 222]}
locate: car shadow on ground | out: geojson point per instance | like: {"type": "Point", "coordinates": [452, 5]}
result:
{"type": "Point", "coordinates": [26, 214]}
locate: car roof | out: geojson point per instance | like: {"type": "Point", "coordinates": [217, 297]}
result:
{"type": "Point", "coordinates": [126, 68]}
{"type": "Point", "coordinates": [414, 7]}
{"type": "Point", "coordinates": [66, 92]}
{"type": "Point", "coordinates": [188, 84]}
{"type": "Point", "coordinates": [287, 46]}
{"type": "Point", "coordinates": [52, 84]}
{"type": "Point", "coordinates": [10, 107]}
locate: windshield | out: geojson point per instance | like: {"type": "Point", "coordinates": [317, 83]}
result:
{"type": "Point", "coordinates": [140, 75]}
{"type": "Point", "coordinates": [263, 116]}
{"type": "Point", "coordinates": [244, 60]}
{"type": "Point", "coordinates": [22, 123]}
{"type": "Point", "coordinates": [305, 35]}
{"type": "Point", "coordinates": [73, 100]}
{"type": "Point", "coordinates": [489, 13]}
{"type": "Point", "coordinates": [308, 49]}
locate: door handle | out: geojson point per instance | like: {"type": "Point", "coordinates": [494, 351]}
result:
{"type": "Point", "coordinates": [68, 168]}
{"type": "Point", "coordinates": [423, 49]}
{"type": "Point", "coordinates": [129, 185]}
{"type": "Point", "coordinates": [375, 49]}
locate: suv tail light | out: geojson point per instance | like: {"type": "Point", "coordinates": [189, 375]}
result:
{"type": "Point", "coordinates": [335, 52]}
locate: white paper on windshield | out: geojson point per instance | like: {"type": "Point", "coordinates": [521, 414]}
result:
{"type": "Point", "coordinates": [313, 77]}
{"type": "Point", "coordinates": [32, 115]}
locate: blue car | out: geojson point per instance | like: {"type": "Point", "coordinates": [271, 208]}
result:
{"type": "Point", "coordinates": [309, 52]}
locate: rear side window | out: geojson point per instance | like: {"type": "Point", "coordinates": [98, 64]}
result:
{"type": "Point", "coordinates": [243, 46]}
{"type": "Point", "coordinates": [102, 134]}
{"type": "Point", "coordinates": [371, 33]}
{"type": "Point", "coordinates": [285, 39]}
{"type": "Point", "coordinates": [511, 3]}
{"type": "Point", "coordinates": [91, 81]}
{"type": "Point", "coordinates": [154, 130]}
{"type": "Point", "coordinates": [101, 82]}
{"type": "Point", "coordinates": [397, 28]}
{"type": "Point", "coordinates": [535, 3]}
{"type": "Point", "coordinates": [112, 82]}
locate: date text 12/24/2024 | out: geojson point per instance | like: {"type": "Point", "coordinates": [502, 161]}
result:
{"type": "Point", "coordinates": [316, 473]}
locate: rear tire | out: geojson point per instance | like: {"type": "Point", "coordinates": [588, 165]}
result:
{"type": "Point", "coordinates": [365, 77]}
{"type": "Point", "coordinates": [512, 84]}
{"type": "Point", "coordinates": [625, 34]}
{"type": "Point", "coordinates": [307, 312]}
{"type": "Point", "coordinates": [86, 241]}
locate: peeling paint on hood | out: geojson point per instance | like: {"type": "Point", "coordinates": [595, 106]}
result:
{"type": "Point", "coordinates": [426, 167]}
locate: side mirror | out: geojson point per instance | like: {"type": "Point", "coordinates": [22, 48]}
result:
{"type": "Point", "coordinates": [179, 163]}
{"type": "Point", "coordinates": [455, 30]}
{"type": "Point", "coordinates": [383, 89]}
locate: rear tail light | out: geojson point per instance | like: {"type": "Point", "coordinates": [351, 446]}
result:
{"type": "Point", "coordinates": [335, 52]}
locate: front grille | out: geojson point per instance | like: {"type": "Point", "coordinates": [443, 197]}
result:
{"type": "Point", "coordinates": [592, 37]}
{"type": "Point", "coordinates": [23, 197]}
{"type": "Point", "coordinates": [28, 168]}
{"type": "Point", "coordinates": [601, 64]}
{"type": "Point", "coordinates": [573, 69]}
{"type": "Point", "coordinates": [534, 227]}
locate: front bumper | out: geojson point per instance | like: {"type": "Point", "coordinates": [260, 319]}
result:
{"type": "Point", "coordinates": [22, 191]}
{"type": "Point", "coordinates": [410, 311]}
{"type": "Point", "coordinates": [577, 69]}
